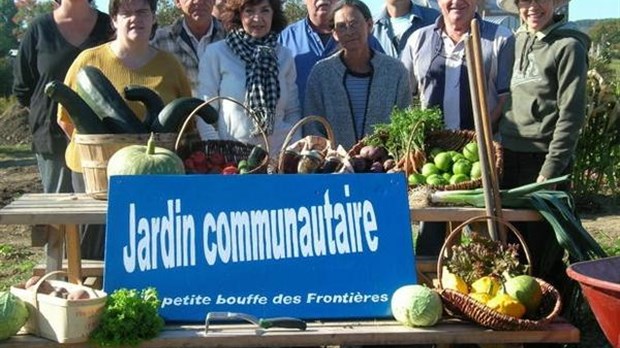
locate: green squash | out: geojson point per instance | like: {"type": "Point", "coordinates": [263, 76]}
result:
{"type": "Point", "coordinates": [145, 160]}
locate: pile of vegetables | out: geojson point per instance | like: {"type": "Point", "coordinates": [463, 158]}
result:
{"type": "Point", "coordinates": [404, 137]}
{"type": "Point", "coordinates": [130, 316]}
{"type": "Point", "coordinates": [446, 167]}
{"type": "Point", "coordinates": [199, 162]}
{"type": "Point", "coordinates": [490, 273]}
{"type": "Point", "coordinates": [97, 108]}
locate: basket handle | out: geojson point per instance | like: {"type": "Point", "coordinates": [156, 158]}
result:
{"type": "Point", "coordinates": [456, 233]}
{"type": "Point", "coordinates": [249, 113]}
{"type": "Point", "coordinates": [312, 118]}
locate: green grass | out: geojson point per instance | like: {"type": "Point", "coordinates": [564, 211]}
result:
{"type": "Point", "coordinates": [615, 66]}
{"type": "Point", "coordinates": [15, 152]}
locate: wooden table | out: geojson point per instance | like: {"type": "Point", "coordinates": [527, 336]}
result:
{"type": "Point", "coordinates": [382, 333]}
{"type": "Point", "coordinates": [65, 212]}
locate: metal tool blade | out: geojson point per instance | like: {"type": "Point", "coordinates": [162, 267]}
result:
{"type": "Point", "coordinates": [284, 322]}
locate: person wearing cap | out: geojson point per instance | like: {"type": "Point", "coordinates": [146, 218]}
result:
{"type": "Point", "coordinates": [435, 59]}
{"type": "Point", "coordinates": [545, 114]}
{"type": "Point", "coordinates": [397, 21]}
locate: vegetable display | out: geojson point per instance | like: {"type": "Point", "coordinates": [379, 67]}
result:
{"type": "Point", "coordinates": [95, 107]}
{"type": "Point", "coordinates": [13, 314]}
{"type": "Point", "coordinates": [490, 273]}
{"type": "Point", "coordinates": [130, 316]}
{"type": "Point", "coordinates": [404, 136]}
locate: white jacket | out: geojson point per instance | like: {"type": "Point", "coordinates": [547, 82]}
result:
{"type": "Point", "coordinates": [222, 73]}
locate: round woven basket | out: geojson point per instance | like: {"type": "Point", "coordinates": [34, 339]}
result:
{"type": "Point", "coordinates": [232, 150]}
{"type": "Point", "coordinates": [313, 142]}
{"type": "Point", "coordinates": [462, 306]}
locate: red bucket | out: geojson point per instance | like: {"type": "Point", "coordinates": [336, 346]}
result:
{"type": "Point", "coordinates": [600, 283]}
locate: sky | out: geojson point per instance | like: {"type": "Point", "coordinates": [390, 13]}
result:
{"type": "Point", "coordinates": [579, 9]}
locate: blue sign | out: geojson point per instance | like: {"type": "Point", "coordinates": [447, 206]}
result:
{"type": "Point", "coordinates": [307, 246]}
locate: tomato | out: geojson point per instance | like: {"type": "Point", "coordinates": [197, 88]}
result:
{"type": "Point", "coordinates": [230, 170]}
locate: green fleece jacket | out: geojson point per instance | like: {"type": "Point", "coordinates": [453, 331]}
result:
{"type": "Point", "coordinates": [548, 95]}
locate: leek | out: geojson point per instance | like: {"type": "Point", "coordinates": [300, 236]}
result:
{"type": "Point", "coordinates": [517, 197]}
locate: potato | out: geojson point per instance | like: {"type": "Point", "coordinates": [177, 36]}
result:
{"type": "Point", "coordinates": [78, 294]}
{"type": "Point", "coordinates": [32, 281]}
{"type": "Point", "coordinates": [45, 287]}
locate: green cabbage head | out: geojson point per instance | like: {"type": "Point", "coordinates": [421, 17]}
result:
{"type": "Point", "coordinates": [13, 314]}
{"type": "Point", "coordinates": [416, 305]}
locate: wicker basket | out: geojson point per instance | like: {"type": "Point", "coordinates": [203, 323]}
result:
{"type": "Point", "coordinates": [95, 151]}
{"type": "Point", "coordinates": [462, 306]}
{"type": "Point", "coordinates": [233, 151]}
{"type": "Point", "coordinates": [310, 142]}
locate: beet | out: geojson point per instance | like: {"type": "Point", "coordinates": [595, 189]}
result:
{"type": "Point", "coordinates": [359, 164]}
{"type": "Point", "coordinates": [377, 167]}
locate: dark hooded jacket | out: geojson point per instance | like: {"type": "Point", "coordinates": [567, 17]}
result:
{"type": "Point", "coordinates": [548, 94]}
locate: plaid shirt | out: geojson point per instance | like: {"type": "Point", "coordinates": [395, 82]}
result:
{"type": "Point", "coordinates": [174, 39]}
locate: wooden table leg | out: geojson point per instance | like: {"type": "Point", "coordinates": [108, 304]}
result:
{"type": "Point", "coordinates": [74, 257]}
{"type": "Point", "coordinates": [53, 248]}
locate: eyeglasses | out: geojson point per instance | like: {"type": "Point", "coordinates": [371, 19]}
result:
{"type": "Point", "coordinates": [343, 27]}
{"type": "Point", "coordinates": [529, 2]}
{"type": "Point", "coordinates": [138, 13]}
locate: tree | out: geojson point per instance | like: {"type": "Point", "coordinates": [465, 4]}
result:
{"type": "Point", "coordinates": [606, 34]}
{"type": "Point", "coordinates": [167, 13]}
{"type": "Point", "coordinates": [7, 26]}
{"type": "Point", "coordinates": [27, 10]}
{"type": "Point", "coordinates": [295, 10]}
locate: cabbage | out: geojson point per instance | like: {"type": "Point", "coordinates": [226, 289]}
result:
{"type": "Point", "coordinates": [416, 305]}
{"type": "Point", "coordinates": [13, 314]}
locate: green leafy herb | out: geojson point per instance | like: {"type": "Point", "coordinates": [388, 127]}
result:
{"type": "Point", "coordinates": [479, 256]}
{"type": "Point", "coordinates": [406, 131]}
{"type": "Point", "coordinates": [130, 316]}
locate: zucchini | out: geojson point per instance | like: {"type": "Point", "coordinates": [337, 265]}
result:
{"type": "Point", "coordinates": [174, 114]}
{"type": "Point", "coordinates": [83, 117]}
{"type": "Point", "coordinates": [151, 100]}
{"type": "Point", "coordinates": [99, 93]}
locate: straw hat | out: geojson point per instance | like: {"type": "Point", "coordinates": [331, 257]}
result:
{"type": "Point", "coordinates": [511, 5]}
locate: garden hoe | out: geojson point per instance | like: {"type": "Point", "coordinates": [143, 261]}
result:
{"type": "Point", "coordinates": [267, 323]}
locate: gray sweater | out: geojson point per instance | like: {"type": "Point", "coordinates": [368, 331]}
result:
{"type": "Point", "coordinates": [326, 95]}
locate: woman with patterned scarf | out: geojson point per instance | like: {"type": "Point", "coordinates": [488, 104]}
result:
{"type": "Point", "coordinates": [252, 68]}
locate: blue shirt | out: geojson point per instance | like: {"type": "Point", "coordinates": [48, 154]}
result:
{"type": "Point", "coordinates": [420, 16]}
{"type": "Point", "coordinates": [307, 49]}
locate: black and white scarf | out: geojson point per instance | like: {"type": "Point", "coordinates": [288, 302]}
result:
{"type": "Point", "coordinates": [261, 75]}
